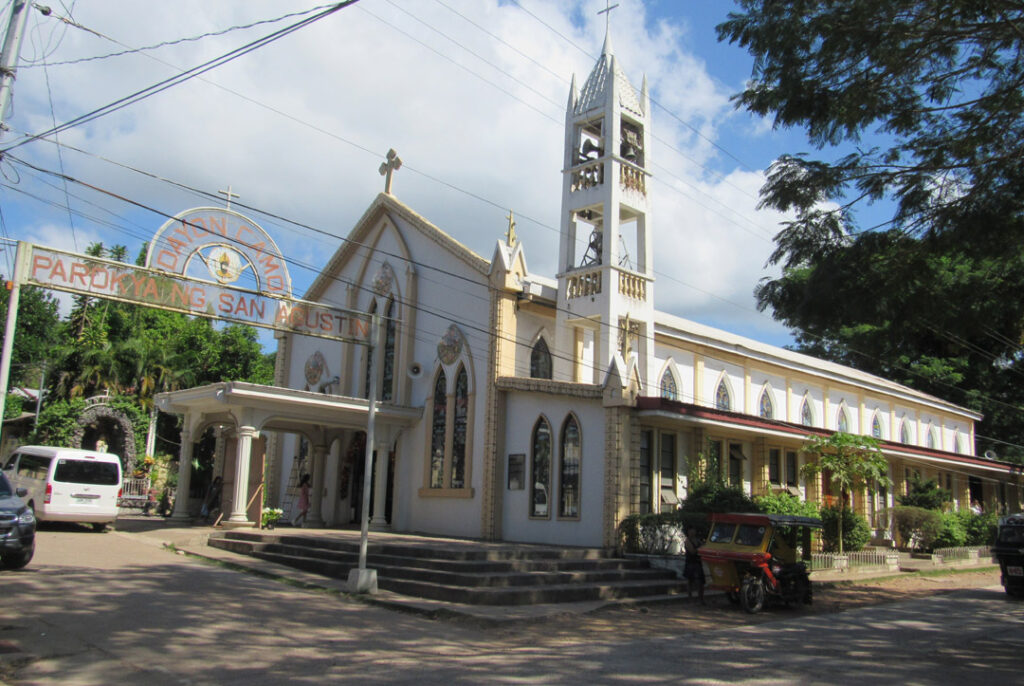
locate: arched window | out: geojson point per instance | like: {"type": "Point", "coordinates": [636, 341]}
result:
{"type": "Point", "coordinates": [569, 470]}
{"type": "Point", "coordinates": [842, 420]}
{"type": "Point", "coordinates": [388, 374]}
{"type": "Point", "coordinates": [904, 432]}
{"type": "Point", "coordinates": [722, 399]}
{"type": "Point", "coordinates": [668, 386]}
{"type": "Point", "coordinates": [459, 429]}
{"type": "Point", "coordinates": [438, 431]}
{"type": "Point", "coordinates": [764, 407]}
{"type": "Point", "coordinates": [806, 418]}
{"type": "Point", "coordinates": [540, 470]}
{"type": "Point", "coordinates": [930, 438]}
{"type": "Point", "coordinates": [876, 427]}
{"type": "Point", "coordinates": [540, 360]}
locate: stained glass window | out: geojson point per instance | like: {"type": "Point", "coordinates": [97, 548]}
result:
{"type": "Point", "coordinates": [722, 399]}
{"type": "Point", "coordinates": [388, 376]}
{"type": "Point", "coordinates": [806, 418]}
{"type": "Point", "coordinates": [540, 470]}
{"type": "Point", "coordinates": [459, 429]}
{"type": "Point", "coordinates": [439, 428]}
{"type": "Point", "coordinates": [569, 474]}
{"type": "Point", "coordinates": [876, 427]}
{"type": "Point", "coordinates": [765, 408]}
{"type": "Point", "coordinates": [540, 360]}
{"type": "Point", "coordinates": [668, 386]}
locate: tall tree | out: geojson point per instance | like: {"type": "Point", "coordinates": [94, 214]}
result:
{"type": "Point", "coordinates": [920, 107]}
{"type": "Point", "coordinates": [36, 333]}
{"type": "Point", "coordinates": [848, 461]}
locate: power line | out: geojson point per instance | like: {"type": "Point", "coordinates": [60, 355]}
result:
{"type": "Point", "coordinates": [181, 78]}
{"type": "Point", "coordinates": [178, 41]}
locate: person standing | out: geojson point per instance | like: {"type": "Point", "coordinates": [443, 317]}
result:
{"type": "Point", "coordinates": [693, 568]}
{"type": "Point", "coordinates": [303, 501]}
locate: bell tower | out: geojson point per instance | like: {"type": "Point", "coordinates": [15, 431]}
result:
{"type": "Point", "coordinates": [606, 271]}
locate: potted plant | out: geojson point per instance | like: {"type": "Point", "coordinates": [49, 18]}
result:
{"type": "Point", "coordinates": [270, 516]}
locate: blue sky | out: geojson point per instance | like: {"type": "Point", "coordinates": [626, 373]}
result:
{"type": "Point", "coordinates": [470, 92]}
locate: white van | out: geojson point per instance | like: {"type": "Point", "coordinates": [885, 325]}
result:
{"type": "Point", "coordinates": [66, 484]}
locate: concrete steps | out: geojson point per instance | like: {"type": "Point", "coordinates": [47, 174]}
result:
{"type": "Point", "coordinates": [484, 575]}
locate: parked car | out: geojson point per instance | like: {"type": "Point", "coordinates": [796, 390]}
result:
{"type": "Point", "coordinates": [67, 484]}
{"type": "Point", "coordinates": [17, 527]}
{"type": "Point", "coordinates": [1009, 552]}
{"type": "Point", "coordinates": [759, 557]}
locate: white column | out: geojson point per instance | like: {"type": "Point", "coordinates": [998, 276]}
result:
{"type": "Point", "coordinates": [380, 486]}
{"type": "Point", "coordinates": [315, 518]}
{"type": "Point", "coordinates": [184, 473]}
{"type": "Point", "coordinates": [244, 454]}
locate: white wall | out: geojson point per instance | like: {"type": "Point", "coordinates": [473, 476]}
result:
{"type": "Point", "coordinates": [522, 412]}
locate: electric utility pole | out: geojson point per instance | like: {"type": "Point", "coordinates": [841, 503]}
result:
{"type": "Point", "coordinates": [8, 68]}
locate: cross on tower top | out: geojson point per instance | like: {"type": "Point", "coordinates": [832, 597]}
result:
{"type": "Point", "coordinates": [393, 163]}
{"type": "Point", "coordinates": [607, 12]}
{"type": "Point", "coordinates": [510, 235]}
{"type": "Point", "coordinates": [229, 195]}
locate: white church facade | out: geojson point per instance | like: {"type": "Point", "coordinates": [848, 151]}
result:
{"type": "Point", "coordinates": [523, 407]}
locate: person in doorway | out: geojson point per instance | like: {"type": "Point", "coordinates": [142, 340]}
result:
{"type": "Point", "coordinates": [693, 568]}
{"type": "Point", "coordinates": [303, 501]}
{"type": "Point", "coordinates": [212, 500]}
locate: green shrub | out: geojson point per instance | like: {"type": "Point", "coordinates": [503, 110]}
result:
{"type": "Point", "coordinates": [981, 529]}
{"type": "Point", "coordinates": [712, 496]}
{"type": "Point", "coordinates": [856, 532]}
{"type": "Point", "coordinates": [925, 493]}
{"type": "Point", "coordinates": [952, 533]}
{"type": "Point", "coordinates": [787, 504]}
{"type": "Point", "coordinates": [917, 527]}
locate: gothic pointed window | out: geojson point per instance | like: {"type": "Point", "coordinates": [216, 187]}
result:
{"type": "Point", "coordinates": [930, 438]}
{"type": "Point", "coordinates": [876, 427]}
{"type": "Point", "coordinates": [842, 420]}
{"type": "Point", "coordinates": [540, 360]}
{"type": "Point", "coordinates": [806, 418]}
{"type": "Point", "coordinates": [388, 373]}
{"type": "Point", "coordinates": [459, 429]}
{"type": "Point", "coordinates": [438, 431]}
{"type": "Point", "coordinates": [904, 433]}
{"type": "Point", "coordinates": [569, 470]}
{"type": "Point", "coordinates": [722, 399]}
{"type": "Point", "coordinates": [540, 470]}
{"type": "Point", "coordinates": [668, 386]}
{"type": "Point", "coordinates": [764, 407]}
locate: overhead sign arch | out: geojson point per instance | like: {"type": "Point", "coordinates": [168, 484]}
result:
{"type": "Point", "coordinates": [223, 244]}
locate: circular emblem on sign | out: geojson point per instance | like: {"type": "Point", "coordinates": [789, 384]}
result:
{"type": "Point", "coordinates": [224, 263]}
{"type": "Point", "coordinates": [223, 244]}
{"type": "Point", "coordinates": [315, 366]}
{"type": "Point", "coordinates": [450, 346]}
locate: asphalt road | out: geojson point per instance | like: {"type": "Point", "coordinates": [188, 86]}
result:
{"type": "Point", "coordinates": [116, 609]}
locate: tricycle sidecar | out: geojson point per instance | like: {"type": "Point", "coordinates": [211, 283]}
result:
{"type": "Point", "coordinates": [759, 557]}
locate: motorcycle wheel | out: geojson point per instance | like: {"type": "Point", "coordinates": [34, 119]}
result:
{"type": "Point", "coordinates": [752, 595]}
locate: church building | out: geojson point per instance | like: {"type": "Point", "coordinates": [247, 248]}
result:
{"type": "Point", "coordinates": [546, 408]}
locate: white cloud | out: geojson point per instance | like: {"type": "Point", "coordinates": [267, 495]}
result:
{"type": "Point", "coordinates": [376, 77]}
